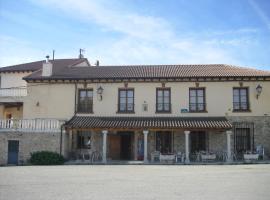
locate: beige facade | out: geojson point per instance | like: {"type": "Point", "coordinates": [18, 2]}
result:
{"type": "Point", "coordinates": [219, 99]}
{"type": "Point", "coordinates": [12, 93]}
{"type": "Point", "coordinates": [13, 79]}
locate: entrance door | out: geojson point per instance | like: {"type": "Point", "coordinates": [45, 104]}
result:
{"type": "Point", "coordinates": [126, 147]}
{"type": "Point", "coordinates": [114, 147]}
{"type": "Point", "coordinates": [13, 152]}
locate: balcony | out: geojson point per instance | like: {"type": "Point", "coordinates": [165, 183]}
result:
{"type": "Point", "coordinates": [85, 107]}
{"type": "Point", "coordinates": [163, 107]}
{"type": "Point", "coordinates": [13, 92]}
{"type": "Point", "coordinates": [197, 107]}
{"type": "Point", "coordinates": [31, 125]}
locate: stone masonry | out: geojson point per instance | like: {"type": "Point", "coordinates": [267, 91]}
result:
{"type": "Point", "coordinates": [28, 143]}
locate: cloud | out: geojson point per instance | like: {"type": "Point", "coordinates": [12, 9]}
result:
{"type": "Point", "coordinates": [141, 38]}
{"type": "Point", "coordinates": [262, 15]}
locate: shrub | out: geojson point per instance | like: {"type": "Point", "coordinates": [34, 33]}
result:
{"type": "Point", "coordinates": [46, 158]}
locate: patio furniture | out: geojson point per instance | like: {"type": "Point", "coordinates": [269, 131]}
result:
{"type": "Point", "coordinates": [208, 156]}
{"type": "Point", "coordinates": [251, 156]}
{"type": "Point", "coordinates": [155, 156]}
{"type": "Point", "coordinates": [260, 151]}
{"type": "Point", "coordinates": [167, 158]}
{"type": "Point", "coordinates": [179, 157]}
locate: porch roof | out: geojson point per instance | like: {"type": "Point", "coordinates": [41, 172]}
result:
{"type": "Point", "coordinates": [89, 122]}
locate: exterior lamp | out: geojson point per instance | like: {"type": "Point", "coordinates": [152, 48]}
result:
{"type": "Point", "coordinates": [100, 92]}
{"type": "Point", "coordinates": [258, 91]}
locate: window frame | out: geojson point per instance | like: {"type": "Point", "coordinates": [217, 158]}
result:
{"type": "Point", "coordinates": [79, 110]}
{"type": "Point", "coordinates": [196, 99]}
{"type": "Point", "coordinates": [244, 140]}
{"type": "Point", "coordinates": [126, 106]}
{"type": "Point", "coordinates": [163, 97]}
{"type": "Point", "coordinates": [240, 103]}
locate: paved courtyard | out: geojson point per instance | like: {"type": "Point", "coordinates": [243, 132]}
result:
{"type": "Point", "coordinates": [135, 182]}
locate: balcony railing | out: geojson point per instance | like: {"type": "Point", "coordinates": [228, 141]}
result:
{"type": "Point", "coordinates": [240, 106]}
{"type": "Point", "coordinates": [163, 107]}
{"type": "Point", "coordinates": [126, 107]}
{"type": "Point", "coordinates": [86, 107]}
{"type": "Point", "coordinates": [31, 125]}
{"type": "Point", "coordinates": [197, 107]}
{"type": "Point", "coordinates": [13, 92]}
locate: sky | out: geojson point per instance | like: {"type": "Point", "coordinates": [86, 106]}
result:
{"type": "Point", "coordinates": [124, 32]}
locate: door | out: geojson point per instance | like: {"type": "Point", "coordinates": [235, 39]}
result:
{"type": "Point", "coordinates": [13, 152]}
{"type": "Point", "coordinates": [114, 147]}
{"type": "Point", "coordinates": [126, 147]}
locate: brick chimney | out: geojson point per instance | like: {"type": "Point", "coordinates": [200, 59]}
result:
{"type": "Point", "coordinates": [47, 67]}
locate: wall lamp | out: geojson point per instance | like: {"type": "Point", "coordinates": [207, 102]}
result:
{"type": "Point", "coordinates": [100, 92]}
{"type": "Point", "coordinates": [258, 91]}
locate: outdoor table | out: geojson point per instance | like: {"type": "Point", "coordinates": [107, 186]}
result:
{"type": "Point", "coordinates": [167, 158]}
{"type": "Point", "coordinates": [251, 156]}
{"type": "Point", "coordinates": [208, 157]}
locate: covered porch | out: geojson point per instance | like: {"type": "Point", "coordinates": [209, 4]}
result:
{"type": "Point", "coordinates": [149, 139]}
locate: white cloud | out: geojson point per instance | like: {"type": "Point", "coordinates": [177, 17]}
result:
{"type": "Point", "coordinates": [144, 39]}
{"type": "Point", "coordinates": [262, 15]}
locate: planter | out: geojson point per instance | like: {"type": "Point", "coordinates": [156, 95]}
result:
{"type": "Point", "coordinates": [251, 156]}
{"type": "Point", "coordinates": [167, 158]}
{"type": "Point", "coordinates": [208, 157]}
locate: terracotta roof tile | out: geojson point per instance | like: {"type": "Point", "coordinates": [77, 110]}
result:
{"type": "Point", "coordinates": [34, 66]}
{"type": "Point", "coordinates": [153, 71]}
{"type": "Point", "coordinates": [149, 122]}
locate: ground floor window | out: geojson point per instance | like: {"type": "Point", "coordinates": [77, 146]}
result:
{"type": "Point", "coordinates": [243, 137]}
{"type": "Point", "coordinates": [164, 142]}
{"type": "Point", "coordinates": [83, 139]}
{"type": "Point", "coordinates": [243, 140]}
{"type": "Point", "coordinates": [198, 141]}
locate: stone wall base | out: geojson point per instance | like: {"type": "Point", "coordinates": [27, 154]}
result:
{"type": "Point", "coordinates": [28, 143]}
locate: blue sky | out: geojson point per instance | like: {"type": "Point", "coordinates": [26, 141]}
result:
{"type": "Point", "coordinates": [137, 31]}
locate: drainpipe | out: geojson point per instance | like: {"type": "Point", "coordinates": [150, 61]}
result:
{"type": "Point", "coordinates": [61, 137]}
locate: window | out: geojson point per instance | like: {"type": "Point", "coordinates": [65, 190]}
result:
{"type": "Point", "coordinates": [197, 100]}
{"type": "Point", "coordinates": [83, 140]}
{"type": "Point", "coordinates": [163, 100]}
{"type": "Point", "coordinates": [243, 140]}
{"type": "Point", "coordinates": [85, 101]}
{"type": "Point", "coordinates": [126, 100]}
{"type": "Point", "coordinates": [199, 141]}
{"type": "Point", "coordinates": [240, 99]}
{"type": "Point", "coordinates": [164, 142]}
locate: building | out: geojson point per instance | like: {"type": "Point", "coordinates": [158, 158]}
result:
{"type": "Point", "coordinates": [162, 113]}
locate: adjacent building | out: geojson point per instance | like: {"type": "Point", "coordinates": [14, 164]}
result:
{"type": "Point", "coordinates": [153, 113]}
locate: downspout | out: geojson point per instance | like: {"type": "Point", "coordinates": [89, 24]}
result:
{"type": "Point", "coordinates": [61, 137]}
{"type": "Point", "coordinates": [75, 107]}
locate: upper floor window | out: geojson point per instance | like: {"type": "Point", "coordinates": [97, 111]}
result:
{"type": "Point", "coordinates": [85, 101]}
{"type": "Point", "coordinates": [240, 99]}
{"type": "Point", "coordinates": [197, 100]}
{"type": "Point", "coordinates": [126, 100]}
{"type": "Point", "coordinates": [163, 100]}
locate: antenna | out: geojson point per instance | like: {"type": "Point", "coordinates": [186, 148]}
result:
{"type": "Point", "coordinates": [97, 63]}
{"type": "Point", "coordinates": [81, 53]}
{"type": "Point", "coordinates": [53, 54]}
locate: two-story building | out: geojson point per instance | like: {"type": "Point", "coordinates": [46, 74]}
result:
{"type": "Point", "coordinates": [13, 91]}
{"type": "Point", "coordinates": [183, 113]}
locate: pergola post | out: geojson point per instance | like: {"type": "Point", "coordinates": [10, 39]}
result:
{"type": "Point", "coordinates": [70, 141]}
{"type": "Point", "coordinates": [187, 146]}
{"type": "Point", "coordinates": [104, 146]}
{"type": "Point", "coordinates": [145, 134]}
{"type": "Point", "coordinates": [229, 153]}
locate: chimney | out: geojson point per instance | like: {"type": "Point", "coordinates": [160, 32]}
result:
{"type": "Point", "coordinates": [47, 67]}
